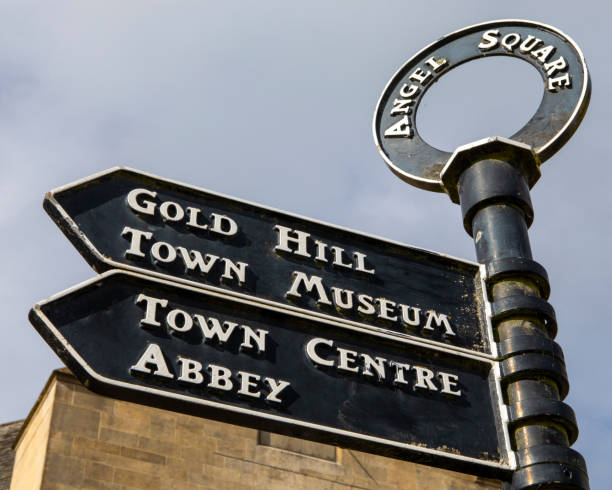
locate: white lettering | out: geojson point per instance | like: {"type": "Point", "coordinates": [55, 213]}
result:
{"type": "Point", "coordinates": [559, 82]}
{"type": "Point", "coordinates": [247, 381]}
{"type": "Point", "coordinates": [374, 309]}
{"type": "Point", "coordinates": [399, 372]}
{"type": "Point", "coordinates": [408, 91]}
{"type": "Point", "coordinates": [211, 328]}
{"type": "Point", "coordinates": [152, 356]}
{"type": "Point", "coordinates": [147, 207]}
{"type": "Point", "coordinates": [554, 66]}
{"type": "Point", "coordinates": [339, 302]}
{"type": "Point", "coordinates": [379, 369]}
{"type": "Point", "coordinates": [312, 353]}
{"type": "Point", "coordinates": [193, 260]}
{"type": "Point", "coordinates": [509, 41]}
{"type": "Point", "coordinates": [489, 39]}
{"type": "Point", "coordinates": [163, 252]}
{"type": "Point", "coordinates": [174, 212]}
{"type": "Point", "coordinates": [183, 325]}
{"type": "Point", "coordinates": [401, 106]}
{"type": "Point", "coordinates": [191, 371]}
{"type": "Point", "coordinates": [337, 253]}
{"type": "Point", "coordinates": [385, 308]}
{"type": "Point", "coordinates": [424, 378]}
{"type": "Point", "coordinates": [284, 239]}
{"type": "Point", "coordinates": [314, 282]}
{"type": "Point", "coordinates": [413, 321]}
{"type": "Point", "coordinates": [436, 64]}
{"type": "Point", "coordinates": [321, 251]}
{"type": "Point", "coordinates": [276, 386]}
{"type": "Point", "coordinates": [528, 44]}
{"type": "Point", "coordinates": [419, 76]}
{"type": "Point", "coordinates": [378, 365]}
{"type": "Point", "coordinates": [237, 270]}
{"type": "Point", "coordinates": [533, 46]}
{"type": "Point", "coordinates": [220, 378]}
{"type": "Point", "coordinates": [151, 309]}
{"type": "Point", "coordinates": [224, 225]}
{"type": "Point", "coordinates": [135, 242]}
{"type": "Point", "coordinates": [171, 211]}
{"type": "Point", "coordinates": [250, 335]}
{"type": "Point", "coordinates": [543, 54]}
{"type": "Point", "coordinates": [365, 304]}
{"type": "Point", "coordinates": [400, 129]}
{"type": "Point", "coordinates": [449, 381]}
{"type": "Point", "coordinates": [346, 357]}
{"type": "Point", "coordinates": [192, 222]}
{"type": "Point", "coordinates": [360, 263]}
{"type": "Point", "coordinates": [441, 320]}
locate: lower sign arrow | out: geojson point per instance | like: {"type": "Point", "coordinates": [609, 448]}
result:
{"type": "Point", "coordinates": [172, 346]}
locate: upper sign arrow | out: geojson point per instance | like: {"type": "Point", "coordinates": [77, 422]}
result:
{"type": "Point", "coordinates": [128, 219]}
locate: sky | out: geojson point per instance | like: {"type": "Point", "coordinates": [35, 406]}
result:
{"type": "Point", "coordinates": [272, 102]}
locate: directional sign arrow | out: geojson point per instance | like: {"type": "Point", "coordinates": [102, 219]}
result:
{"type": "Point", "coordinates": [203, 352]}
{"type": "Point", "coordinates": [127, 219]}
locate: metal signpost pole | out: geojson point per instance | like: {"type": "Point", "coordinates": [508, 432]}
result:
{"type": "Point", "coordinates": [491, 182]}
{"type": "Point", "coordinates": [491, 179]}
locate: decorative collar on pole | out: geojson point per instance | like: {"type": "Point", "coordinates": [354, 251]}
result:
{"type": "Point", "coordinates": [493, 148]}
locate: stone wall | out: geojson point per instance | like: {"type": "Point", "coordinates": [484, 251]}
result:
{"type": "Point", "coordinates": [77, 439]}
{"type": "Point", "coordinates": [8, 434]}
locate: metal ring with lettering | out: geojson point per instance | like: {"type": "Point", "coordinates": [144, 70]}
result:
{"type": "Point", "coordinates": [557, 58]}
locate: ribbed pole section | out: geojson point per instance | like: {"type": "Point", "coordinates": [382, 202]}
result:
{"type": "Point", "coordinates": [497, 211]}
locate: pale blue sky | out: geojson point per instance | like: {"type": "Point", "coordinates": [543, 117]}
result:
{"type": "Point", "coordinates": [272, 102]}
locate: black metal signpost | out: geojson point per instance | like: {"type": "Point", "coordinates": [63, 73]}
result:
{"type": "Point", "coordinates": [210, 354]}
{"type": "Point", "coordinates": [222, 308]}
{"type": "Point", "coordinates": [491, 180]}
{"type": "Point", "coordinates": [127, 219]}
{"type": "Point", "coordinates": [232, 310]}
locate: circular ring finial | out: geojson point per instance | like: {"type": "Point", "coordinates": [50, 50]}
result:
{"type": "Point", "coordinates": [557, 58]}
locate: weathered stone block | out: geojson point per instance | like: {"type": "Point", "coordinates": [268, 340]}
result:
{"type": "Point", "coordinates": [76, 439]}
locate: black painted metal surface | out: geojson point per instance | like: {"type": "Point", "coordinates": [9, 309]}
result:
{"type": "Point", "coordinates": [97, 330]}
{"type": "Point", "coordinates": [93, 214]}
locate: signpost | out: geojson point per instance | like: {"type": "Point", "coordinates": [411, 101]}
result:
{"type": "Point", "coordinates": [491, 179]}
{"type": "Point", "coordinates": [227, 309]}
{"type": "Point", "coordinates": [222, 308]}
{"type": "Point", "coordinates": [127, 219]}
{"type": "Point", "coordinates": [210, 354]}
